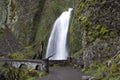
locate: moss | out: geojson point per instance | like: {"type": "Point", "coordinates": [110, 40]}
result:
{"type": "Point", "coordinates": [12, 10]}
{"type": "Point", "coordinates": [113, 34]}
{"type": "Point", "coordinates": [103, 30]}
{"type": "Point", "coordinates": [41, 74]}
{"type": "Point", "coordinates": [74, 37]}
{"type": "Point", "coordinates": [90, 20]}
{"type": "Point", "coordinates": [30, 78]}
{"type": "Point", "coordinates": [26, 53]}
{"type": "Point", "coordinates": [103, 71]}
{"type": "Point", "coordinates": [16, 56]}
{"type": "Point", "coordinates": [13, 6]}
{"type": "Point", "coordinates": [75, 65]}
{"type": "Point", "coordinates": [41, 30]}
{"type": "Point", "coordinates": [113, 68]}
{"type": "Point", "coordinates": [98, 31]}
{"type": "Point", "coordinates": [98, 27]}
{"type": "Point", "coordinates": [98, 70]}
{"type": "Point", "coordinates": [82, 5]}
{"type": "Point", "coordinates": [77, 53]}
{"type": "Point", "coordinates": [95, 17]}
{"type": "Point", "coordinates": [21, 37]}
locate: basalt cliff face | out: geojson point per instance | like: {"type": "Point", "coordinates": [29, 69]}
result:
{"type": "Point", "coordinates": [94, 32]}
{"type": "Point", "coordinates": [21, 19]}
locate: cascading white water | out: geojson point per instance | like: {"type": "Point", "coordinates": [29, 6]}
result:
{"type": "Point", "coordinates": [57, 42]}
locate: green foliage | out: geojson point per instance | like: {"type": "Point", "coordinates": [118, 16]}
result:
{"type": "Point", "coordinates": [57, 7]}
{"type": "Point", "coordinates": [41, 32]}
{"type": "Point", "coordinates": [109, 70]}
{"type": "Point", "coordinates": [89, 20]}
{"type": "Point", "coordinates": [103, 30]}
{"type": "Point", "coordinates": [31, 78]}
{"type": "Point", "coordinates": [12, 10]}
{"type": "Point", "coordinates": [16, 56]}
{"type": "Point", "coordinates": [113, 34]}
{"type": "Point", "coordinates": [82, 5]}
{"type": "Point", "coordinates": [13, 6]}
{"type": "Point", "coordinates": [21, 37]}
{"type": "Point", "coordinates": [12, 73]}
{"type": "Point", "coordinates": [41, 74]}
{"type": "Point", "coordinates": [27, 53]}
{"type": "Point", "coordinates": [75, 65]}
{"type": "Point", "coordinates": [90, 17]}
{"type": "Point", "coordinates": [84, 19]}
{"type": "Point", "coordinates": [116, 78]}
{"type": "Point", "coordinates": [77, 53]}
{"type": "Point", "coordinates": [98, 27]}
{"type": "Point", "coordinates": [98, 70]}
{"type": "Point", "coordinates": [75, 33]}
{"type": "Point", "coordinates": [93, 32]}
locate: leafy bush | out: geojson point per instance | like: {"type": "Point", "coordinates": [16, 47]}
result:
{"type": "Point", "coordinates": [109, 70]}
{"type": "Point", "coordinates": [22, 74]}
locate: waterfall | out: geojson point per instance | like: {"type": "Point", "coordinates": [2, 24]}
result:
{"type": "Point", "coordinates": [56, 48]}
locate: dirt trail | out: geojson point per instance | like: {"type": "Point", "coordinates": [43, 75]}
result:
{"type": "Point", "coordinates": [63, 73]}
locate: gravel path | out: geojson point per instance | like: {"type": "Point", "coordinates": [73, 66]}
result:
{"type": "Point", "coordinates": [63, 73]}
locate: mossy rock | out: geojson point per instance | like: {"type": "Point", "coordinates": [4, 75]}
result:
{"type": "Point", "coordinates": [16, 56]}
{"type": "Point", "coordinates": [26, 53]}
{"type": "Point", "coordinates": [77, 53]}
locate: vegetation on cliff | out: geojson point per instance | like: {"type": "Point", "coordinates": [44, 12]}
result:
{"type": "Point", "coordinates": [94, 35]}
{"type": "Point", "coordinates": [94, 32]}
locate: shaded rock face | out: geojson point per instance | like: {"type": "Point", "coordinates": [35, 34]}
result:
{"type": "Point", "coordinates": [101, 50]}
{"type": "Point", "coordinates": [22, 16]}
{"type": "Point", "coordinates": [29, 13]}
{"type": "Point", "coordinates": [8, 43]}
{"type": "Point", "coordinates": [98, 28]}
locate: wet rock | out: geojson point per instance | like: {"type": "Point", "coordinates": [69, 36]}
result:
{"type": "Point", "coordinates": [95, 29]}
{"type": "Point", "coordinates": [78, 61]}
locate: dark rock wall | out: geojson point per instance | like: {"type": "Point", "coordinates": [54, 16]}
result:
{"type": "Point", "coordinates": [29, 13]}
{"type": "Point", "coordinates": [22, 18]}
{"type": "Point", "coordinates": [97, 23]}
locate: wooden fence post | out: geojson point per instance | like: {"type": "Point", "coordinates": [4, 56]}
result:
{"type": "Point", "coordinates": [47, 65]}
